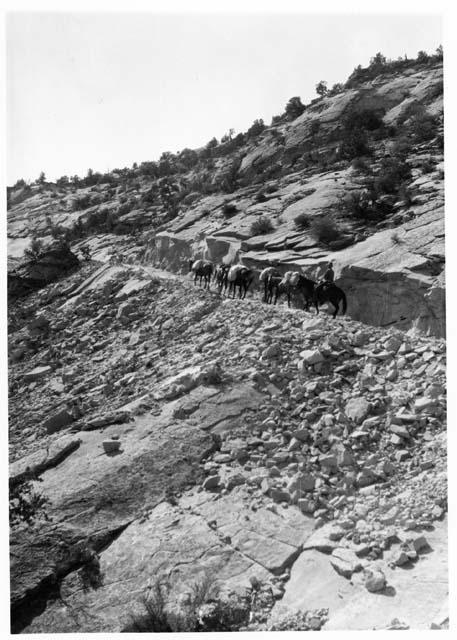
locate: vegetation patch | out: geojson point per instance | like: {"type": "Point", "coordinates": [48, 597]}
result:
{"type": "Point", "coordinates": [202, 609]}
{"type": "Point", "coordinates": [324, 229]}
{"type": "Point", "coordinates": [262, 226]}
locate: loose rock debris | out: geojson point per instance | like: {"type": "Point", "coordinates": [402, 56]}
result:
{"type": "Point", "coordinates": [339, 424]}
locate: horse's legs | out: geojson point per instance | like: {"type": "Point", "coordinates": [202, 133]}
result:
{"type": "Point", "coordinates": [288, 298]}
{"type": "Point", "coordinates": [195, 280]}
{"type": "Point", "coordinates": [337, 308]}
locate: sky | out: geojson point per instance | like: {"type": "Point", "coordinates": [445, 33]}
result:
{"type": "Point", "coordinates": [110, 89]}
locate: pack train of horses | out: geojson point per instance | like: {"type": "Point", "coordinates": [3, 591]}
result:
{"type": "Point", "coordinates": [230, 278]}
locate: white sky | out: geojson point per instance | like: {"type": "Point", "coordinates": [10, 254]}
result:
{"type": "Point", "coordinates": [106, 90]}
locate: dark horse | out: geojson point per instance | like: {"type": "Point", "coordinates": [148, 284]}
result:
{"type": "Point", "coordinates": [241, 277]}
{"type": "Point", "coordinates": [202, 269]}
{"type": "Point", "coordinates": [330, 293]}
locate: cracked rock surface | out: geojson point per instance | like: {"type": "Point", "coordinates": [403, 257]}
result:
{"type": "Point", "coordinates": [238, 454]}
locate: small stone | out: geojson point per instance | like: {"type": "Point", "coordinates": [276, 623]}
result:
{"type": "Point", "coordinates": [375, 580]}
{"type": "Point", "coordinates": [357, 409]}
{"type": "Point", "coordinates": [311, 356]}
{"type": "Point", "coordinates": [424, 403]}
{"type": "Point", "coordinates": [111, 446]}
{"type": "Point", "coordinates": [399, 430]}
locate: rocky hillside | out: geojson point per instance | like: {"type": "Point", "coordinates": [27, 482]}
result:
{"type": "Point", "coordinates": [298, 460]}
{"type": "Point", "coordinates": [356, 176]}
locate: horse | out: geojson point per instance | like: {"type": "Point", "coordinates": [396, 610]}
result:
{"type": "Point", "coordinates": [264, 276]}
{"type": "Point", "coordinates": [220, 276]}
{"type": "Point", "coordinates": [325, 292]}
{"type": "Point", "coordinates": [295, 281]}
{"type": "Point", "coordinates": [201, 269]}
{"type": "Point", "coordinates": [241, 277]}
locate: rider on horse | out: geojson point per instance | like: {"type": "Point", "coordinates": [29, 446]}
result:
{"type": "Point", "coordinates": [329, 275]}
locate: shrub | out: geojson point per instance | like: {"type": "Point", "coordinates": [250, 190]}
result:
{"type": "Point", "coordinates": [359, 164]}
{"type": "Point", "coordinates": [229, 209]}
{"type": "Point", "coordinates": [197, 613]}
{"type": "Point", "coordinates": [401, 148]}
{"type": "Point", "coordinates": [359, 205]}
{"type": "Point", "coordinates": [378, 62]}
{"type": "Point", "coordinates": [294, 108]}
{"type": "Point", "coordinates": [427, 165]}
{"type": "Point", "coordinates": [324, 229]}
{"type": "Point", "coordinates": [369, 119]}
{"type": "Point", "coordinates": [34, 250]}
{"type": "Point", "coordinates": [81, 202]}
{"type": "Point", "coordinates": [256, 128]}
{"type": "Point", "coordinates": [25, 504]}
{"type": "Point", "coordinates": [321, 88]}
{"type": "Point", "coordinates": [422, 57]}
{"type": "Point", "coordinates": [261, 226]}
{"type": "Point", "coordinates": [423, 126]}
{"type": "Point", "coordinates": [396, 238]}
{"type": "Point", "coordinates": [392, 173]}
{"type": "Point", "coordinates": [337, 88]}
{"type": "Point", "coordinates": [354, 143]}
{"type": "Point", "coordinates": [301, 221]}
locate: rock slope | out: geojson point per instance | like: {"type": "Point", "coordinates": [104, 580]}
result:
{"type": "Point", "coordinates": [367, 157]}
{"type": "Point", "coordinates": [176, 432]}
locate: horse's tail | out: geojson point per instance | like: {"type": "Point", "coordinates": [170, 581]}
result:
{"type": "Point", "coordinates": [345, 304]}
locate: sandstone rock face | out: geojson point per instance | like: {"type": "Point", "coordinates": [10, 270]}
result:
{"type": "Point", "coordinates": [296, 460]}
{"type": "Point", "coordinates": [197, 454]}
{"type": "Point", "coordinates": [392, 270]}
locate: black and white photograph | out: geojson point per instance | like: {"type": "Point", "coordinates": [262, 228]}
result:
{"type": "Point", "coordinates": [226, 371]}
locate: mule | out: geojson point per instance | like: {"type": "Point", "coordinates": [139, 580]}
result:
{"type": "Point", "coordinates": [330, 293]}
{"type": "Point", "coordinates": [241, 277]}
{"type": "Point", "coordinates": [297, 282]}
{"type": "Point", "coordinates": [264, 276]}
{"type": "Point", "coordinates": [220, 277]}
{"type": "Point", "coordinates": [202, 269]}
{"type": "Point", "coordinates": [273, 287]}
